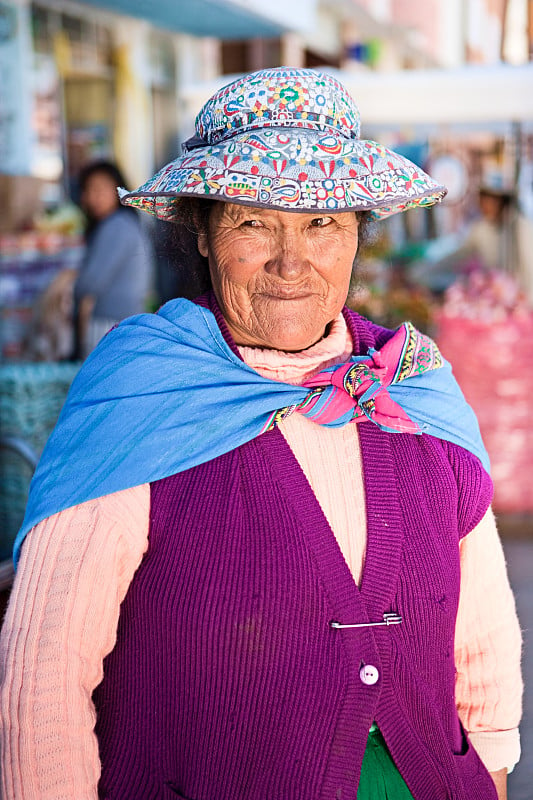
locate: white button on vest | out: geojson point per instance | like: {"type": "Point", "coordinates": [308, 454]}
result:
{"type": "Point", "coordinates": [369, 674]}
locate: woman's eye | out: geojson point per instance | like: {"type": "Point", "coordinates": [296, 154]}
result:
{"type": "Point", "coordinates": [252, 223]}
{"type": "Point", "coordinates": [321, 222]}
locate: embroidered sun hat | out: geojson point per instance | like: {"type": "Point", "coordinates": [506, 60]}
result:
{"type": "Point", "coordinates": [286, 138]}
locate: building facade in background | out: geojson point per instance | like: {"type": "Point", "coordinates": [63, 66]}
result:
{"type": "Point", "coordinates": [109, 77]}
{"type": "Point", "coordinates": [124, 79]}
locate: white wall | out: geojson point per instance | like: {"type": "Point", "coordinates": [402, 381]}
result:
{"type": "Point", "coordinates": [453, 32]}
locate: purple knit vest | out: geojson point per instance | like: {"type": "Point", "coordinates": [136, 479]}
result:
{"type": "Point", "coordinates": [227, 679]}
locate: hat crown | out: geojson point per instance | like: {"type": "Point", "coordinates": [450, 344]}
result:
{"type": "Point", "coordinates": [281, 97]}
{"type": "Point", "coordinates": [286, 138]}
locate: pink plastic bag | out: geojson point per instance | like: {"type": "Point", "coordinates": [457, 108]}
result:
{"type": "Point", "coordinates": [493, 364]}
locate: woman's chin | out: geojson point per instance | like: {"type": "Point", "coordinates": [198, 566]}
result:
{"type": "Point", "coordinates": [289, 326]}
{"type": "Point", "coordinates": [292, 339]}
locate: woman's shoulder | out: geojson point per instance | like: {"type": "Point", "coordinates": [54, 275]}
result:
{"type": "Point", "coordinates": [121, 229]}
{"type": "Point", "coordinates": [122, 221]}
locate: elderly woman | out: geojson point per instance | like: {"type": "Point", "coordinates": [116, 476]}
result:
{"type": "Point", "coordinates": [262, 562]}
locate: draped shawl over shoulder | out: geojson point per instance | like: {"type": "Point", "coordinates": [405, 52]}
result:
{"type": "Point", "coordinates": [166, 392]}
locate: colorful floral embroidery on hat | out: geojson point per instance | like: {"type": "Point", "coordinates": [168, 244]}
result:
{"type": "Point", "coordinates": [286, 138]}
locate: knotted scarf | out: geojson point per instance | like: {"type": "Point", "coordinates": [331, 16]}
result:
{"type": "Point", "coordinates": [164, 392]}
{"type": "Point", "coordinates": [359, 389]}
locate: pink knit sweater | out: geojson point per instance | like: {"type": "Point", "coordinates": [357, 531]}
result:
{"type": "Point", "coordinates": [76, 568]}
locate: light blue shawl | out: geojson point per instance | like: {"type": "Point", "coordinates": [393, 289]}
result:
{"type": "Point", "coordinates": [164, 392]}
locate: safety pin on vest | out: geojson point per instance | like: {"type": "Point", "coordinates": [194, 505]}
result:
{"type": "Point", "coordinates": [389, 618]}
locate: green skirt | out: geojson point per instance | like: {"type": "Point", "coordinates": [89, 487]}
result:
{"type": "Point", "coordinates": [380, 779]}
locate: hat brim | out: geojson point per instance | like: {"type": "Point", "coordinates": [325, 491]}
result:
{"type": "Point", "coordinates": [292, 170]}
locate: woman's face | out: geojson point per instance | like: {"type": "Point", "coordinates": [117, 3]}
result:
{"type": "Point", "coordinates": [279, 277]}
{"type": "Point", "coordinates": [99, 198]}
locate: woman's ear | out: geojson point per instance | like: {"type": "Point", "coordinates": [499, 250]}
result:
{"type": "Point", "coordinates": [202, 245]}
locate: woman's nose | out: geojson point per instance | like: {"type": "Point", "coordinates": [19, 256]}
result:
{"type": "Point", "coordinates": [288, 258]}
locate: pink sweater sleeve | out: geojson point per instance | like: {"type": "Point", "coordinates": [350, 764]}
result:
{"type": "Point", "coordinates": [61, 621]}
{"type": "Point", "coordinates": [488, 646]}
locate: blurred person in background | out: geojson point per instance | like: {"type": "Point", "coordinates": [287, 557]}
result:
{"type": "Point", "coordinates": [115, 277]}
{"type": "Point", "coordinates": [488, 237]}
{"type": "Point", "coordinates": [499, 239]}
{"type": "Point", "coordinates": [261, 560]}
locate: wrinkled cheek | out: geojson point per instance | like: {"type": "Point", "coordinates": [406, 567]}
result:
{"type": "Point", "coordinates": [233, 299]}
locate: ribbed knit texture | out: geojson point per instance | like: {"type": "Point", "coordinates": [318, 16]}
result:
{"type": "Point", "coordinates": [36, 664]}
{"type": "Point", "coordinates": [243, 689]}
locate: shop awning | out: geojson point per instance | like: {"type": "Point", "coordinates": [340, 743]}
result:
{"type": "Point", "coordinates": [224, 19]}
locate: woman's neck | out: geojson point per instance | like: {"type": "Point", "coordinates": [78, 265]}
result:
{"type": "Point", "coordinates": [334, 348]}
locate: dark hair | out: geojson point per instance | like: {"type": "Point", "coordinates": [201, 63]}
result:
{"type": "Point", "coordinates": [181, 243]}
{"type": "Point", "coordinates": [115, 175]}
{"type": "Point", "coordinates": [102, 166]}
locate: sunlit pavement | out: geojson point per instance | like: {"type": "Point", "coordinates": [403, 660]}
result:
{"type": "Point", "coordinates": [519, 555]}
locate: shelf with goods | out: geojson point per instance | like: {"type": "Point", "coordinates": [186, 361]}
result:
{"type": "Point", "coordinates": [29, 263]}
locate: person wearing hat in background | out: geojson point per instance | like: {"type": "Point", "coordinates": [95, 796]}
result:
{"type": "Point", "coordinates": [501, 238]}
{"type": "Point", "coordinates": [260, 559]}
{"type": "Point", "coordinates": [115, 276]}
{"type": "Point", "coordinates": [488, 238]}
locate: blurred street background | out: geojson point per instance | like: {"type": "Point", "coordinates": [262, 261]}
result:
{"type": "Point", "coordinates": [448, 83]}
